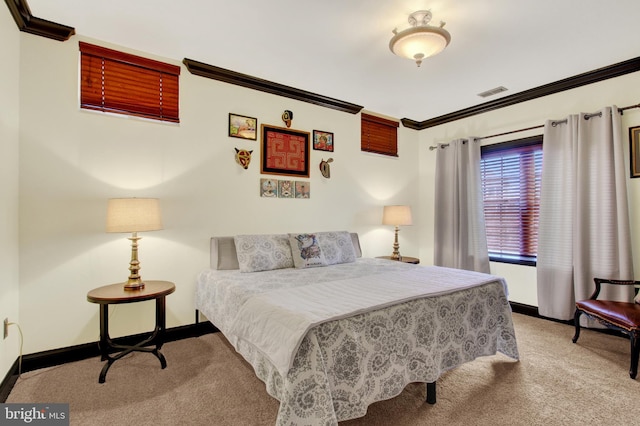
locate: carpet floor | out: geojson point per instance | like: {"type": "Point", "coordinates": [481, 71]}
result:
{"type": "Point", "coordinates": [206, 382]}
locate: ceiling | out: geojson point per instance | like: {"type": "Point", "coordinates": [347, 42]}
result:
{"type": "Point", "coordinates": [339, 48]}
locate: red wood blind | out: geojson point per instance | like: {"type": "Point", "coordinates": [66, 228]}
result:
{"type": "Point", "coordinates": [122, 83]}
{"type": "Point", "coordinates": [379, 135]}
{"type": "Point", "coordinates": [511, 176]}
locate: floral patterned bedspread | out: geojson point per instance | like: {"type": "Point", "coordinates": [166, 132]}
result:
{"type": "Point", "coordinates": [345, 365]}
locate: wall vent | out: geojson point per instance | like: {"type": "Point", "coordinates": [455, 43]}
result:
{"type": "Point", "coordinates": [493, 91]}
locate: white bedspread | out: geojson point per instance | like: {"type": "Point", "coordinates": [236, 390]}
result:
{"type": "Point", "coordinates": [276, 321]}
{"type": "Point", "coordinates": [343, 365]}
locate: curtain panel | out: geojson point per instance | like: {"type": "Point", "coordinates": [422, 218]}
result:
{"type": "Point", "coordinates": [584, 217]}
{"type": "Point", "coordinates": [460, 237]}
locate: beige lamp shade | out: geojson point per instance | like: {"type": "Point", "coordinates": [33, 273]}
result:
{"type": "Point", "coordinates": [133, 215]}
{"type": "Point", "coordinates": [397, 215]}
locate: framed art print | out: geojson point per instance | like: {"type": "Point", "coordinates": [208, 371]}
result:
{"type": "Point", "coordinates": [284, 151]}
{"type": "Point", "coordinates": [303, 189]}
{"type": "Point", "coordinates": [269, 188]}
{"type": "Point", "coordinates": [242, 127]}
{"type": "Point", "coordinates": [634, 151]}
{"type": "Point", "coordinates": [322, 141]}
{"type": "Point", "coordinates": [285, 189]}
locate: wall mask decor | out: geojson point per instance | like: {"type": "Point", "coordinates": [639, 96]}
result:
{"type": "Point", "coordinates": [325, 168]}
{"type": "Point", "coordinates": [287, 117]}
{"type": "Point", "coordinates": [243, 157]}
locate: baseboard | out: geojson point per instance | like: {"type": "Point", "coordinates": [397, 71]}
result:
{"type": "Point", "coordinates": [521, 308]}
{"type": "Point", "coordinates": [7, 384]}
{"type": "Point", "coordinates": [60, 356]}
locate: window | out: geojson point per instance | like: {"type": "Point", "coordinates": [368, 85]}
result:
{"type": "Point", "coordinates": [112, 81]}
{"type": "Point", "coordinates": [511, 173]}
{"type": "Point", "coordinates": [379, 135]}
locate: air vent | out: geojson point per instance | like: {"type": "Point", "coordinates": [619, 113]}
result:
{"type": "Point", "coordinates": [492, 92]}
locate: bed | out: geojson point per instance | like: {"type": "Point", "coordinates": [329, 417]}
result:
{"type": "Point", "coordinates": [330, 332]}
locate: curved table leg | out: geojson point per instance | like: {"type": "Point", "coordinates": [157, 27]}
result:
{"type": "Point", "coordinates": [156, 338]}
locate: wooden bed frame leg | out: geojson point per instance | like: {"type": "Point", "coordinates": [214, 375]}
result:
{"type": "Point", "coordinates": [431, 393]}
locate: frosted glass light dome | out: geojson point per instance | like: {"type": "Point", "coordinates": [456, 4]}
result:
{"type": "Point", "coordinates": [421, 40]}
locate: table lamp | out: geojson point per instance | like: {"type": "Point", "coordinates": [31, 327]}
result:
{"type": "Point", "coordinates": [133, 215]}
{"type": "Point", "coordinates": [396, 216]}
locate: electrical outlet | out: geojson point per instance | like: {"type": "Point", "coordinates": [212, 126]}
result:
{"type": "Point", "coordinates": [6, 328]}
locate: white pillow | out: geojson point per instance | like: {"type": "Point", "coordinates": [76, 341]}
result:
{"type": "Point", "coordinates": [337, 247]}
{"type": "Point", "coordinates": [263, 252]}
{"type": "Point", "coordinates": [306, 251]}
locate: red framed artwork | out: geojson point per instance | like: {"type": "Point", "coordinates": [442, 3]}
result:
{"type": "Point", "coordinates": [284, 151]}
{"type": "Point", "coordinates": [322, 141]}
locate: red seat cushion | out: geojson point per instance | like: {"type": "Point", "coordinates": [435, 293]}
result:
{"type": "Point", "coordinates": [623, 314]}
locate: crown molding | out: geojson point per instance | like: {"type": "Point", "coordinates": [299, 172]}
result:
{"type": "Point", "coordinates": [244, 80]}
{"type": "Point", "coordinates": [611, 71]}
{"type": "Point", "coordinates": [30, 24]}
{"type": "Point", "coordinates": [411, 124]}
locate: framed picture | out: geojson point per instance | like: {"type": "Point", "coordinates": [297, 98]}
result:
{"type": "Point", "coordinates": [284, 151]}
{"type": "Point", "coordinates": [285, 189]}
{"type": "Point", "coordinates": [634, 151]}
{"type": "Point", "coordinates": [242, 127]}
{"type": "Point", "coordinates": [269, 188]}
{"type": "Point", "coordinates": [322, 141]}
{"type": "Point", "coordinates": [303, 189]}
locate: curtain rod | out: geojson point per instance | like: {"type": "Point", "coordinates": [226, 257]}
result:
{"type": "Point", "coordinates": [587, 116]}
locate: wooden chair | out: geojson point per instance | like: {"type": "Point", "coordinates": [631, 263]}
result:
{"type": "Point", "coordinates": [621, 316]}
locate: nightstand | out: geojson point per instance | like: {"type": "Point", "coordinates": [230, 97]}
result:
{"type": "Point", "coordinates": [115, 294]}
{"type": "Point", "coordinates": [405, 259]}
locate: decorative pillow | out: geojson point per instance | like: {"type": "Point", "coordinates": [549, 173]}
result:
{"type": "Point", "coordinates": [337, 247]}
{"type": "Point", "coordinates": [263, 252]}
{"type": "Point", "coordinates": [306, 251]}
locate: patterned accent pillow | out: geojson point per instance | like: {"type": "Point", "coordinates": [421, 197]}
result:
{"type": "Point", "coordinates": [337, 247]}
{"type": "Point", "coordinates": [306, 251]}
{"type": "Point", "coordinates": [263, 252]}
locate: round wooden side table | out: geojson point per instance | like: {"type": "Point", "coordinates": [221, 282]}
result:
{"type": "Point", "coordinates": [116, 294]}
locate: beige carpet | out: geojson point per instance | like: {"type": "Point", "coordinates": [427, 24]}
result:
{"type": "Point", "coordinates": [556, 382]}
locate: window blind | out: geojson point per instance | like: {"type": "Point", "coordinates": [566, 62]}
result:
{"type": "Point", "coordinates": [379, 135]}
{"type": "Point", "coordinates": [121, 83]}
{"type": "Point", "coordinates": [511, 175]}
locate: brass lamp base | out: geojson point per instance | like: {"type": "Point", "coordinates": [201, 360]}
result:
{"type": "Point", "coordinates": [135, 281]}
{"type": "Point", "coordinates": [132, 285]}
{"type": "Point", "coordinates": [396, 247]}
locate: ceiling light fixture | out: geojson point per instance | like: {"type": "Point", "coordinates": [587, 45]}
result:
{"type": "Point", "coordinates": [421, 40]}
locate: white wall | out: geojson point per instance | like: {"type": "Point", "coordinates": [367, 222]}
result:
{"type": "Point", "coordinates": [622, 91]}
{"type": "Point", "coordinates": [72, 161]}
{"type": "Point", "coordinates": [9, 137]}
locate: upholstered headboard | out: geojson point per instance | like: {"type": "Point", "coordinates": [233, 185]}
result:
{"type": "Point", "coordinates": [223, 253]}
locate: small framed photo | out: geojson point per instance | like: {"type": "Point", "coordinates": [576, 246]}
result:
{"type": "Point", "coordinates": [634, 151]}
{"type": "Point", "coordinates": [269, 188]}
{"type": "Point", "coordinates": [322, 141]}
{"type": "Point", "coordinates": [303, 189]}
{"type": "Point", "coordinates": [284, 151]}
{"type": "Point", "coordinates": [286, 189]}
{"type": "Point", "coordinates": [242, 127]}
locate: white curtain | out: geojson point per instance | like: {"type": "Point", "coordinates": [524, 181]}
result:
{"type": "Point", "coordinates": [584, 217]}
{"type": "Point", "coordinates": [460, 236]}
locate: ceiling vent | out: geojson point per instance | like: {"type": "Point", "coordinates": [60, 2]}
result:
{"type": "Point", "coordinates": [493, 91]}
